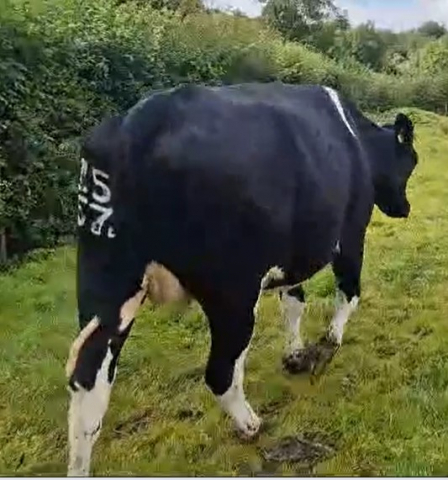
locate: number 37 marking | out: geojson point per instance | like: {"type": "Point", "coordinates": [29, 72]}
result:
{"type": "Point", "coordinates": [101, 199]}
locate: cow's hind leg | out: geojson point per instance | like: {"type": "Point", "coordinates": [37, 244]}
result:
{"type": "Point", "coordinates": [293, 305]}
{"type": "Point", "coordinates": [231, 331]}
{"type": "Point", "coordinates": [95, 354]}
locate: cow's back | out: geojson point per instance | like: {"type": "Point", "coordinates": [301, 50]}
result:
{"type": "Point", "coordinates": [242, 174]}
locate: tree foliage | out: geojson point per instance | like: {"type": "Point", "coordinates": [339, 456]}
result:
{"type": "Point", "coordinates": [432, 29]}
{"type": "Point", "coordinates": [298, 19]}
{"type": "Point", "coordinates": [432, 58]}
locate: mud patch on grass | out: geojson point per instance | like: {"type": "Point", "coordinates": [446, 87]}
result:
{"type": "Point", "coordinates": [386, 347]}
{"type": "Point", "coordinates": [386, 351]}
{"type": "Point", "coordinates": [349, 385]}
{"type": "Point", "coordinates": [314, 358]}
{"type": "Point", "coordinates": [422, 331]}
{"type": "Point", "coordinates": [305, 451]}
{"type": "Point", "coordinates": [189, 414]}
{"type": "Point", "coordinates": [365, 468]}
{"type": "Point", "coordinates": [134, 424]}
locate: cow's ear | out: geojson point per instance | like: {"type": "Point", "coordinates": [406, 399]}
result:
{"type": "Point", "coordinates": [404, 129]}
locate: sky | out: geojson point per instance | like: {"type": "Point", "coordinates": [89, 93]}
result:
{"type": "Point", "coordinates": [393, 14]}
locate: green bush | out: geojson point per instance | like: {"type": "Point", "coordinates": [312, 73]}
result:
{"type": "Point", "coordinates": [65, 64]}
{"type": "Point", "coordinates": [63, 67]}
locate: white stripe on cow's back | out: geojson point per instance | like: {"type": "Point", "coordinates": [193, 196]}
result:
{"type": "Point", "coordinates": [334, 96]}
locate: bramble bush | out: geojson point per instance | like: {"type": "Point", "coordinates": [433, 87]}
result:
{"type": "Point", "coordinates": [65, 64]}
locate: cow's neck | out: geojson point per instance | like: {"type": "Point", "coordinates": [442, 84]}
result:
{"type": "Point", "coordinates": [380, 147]}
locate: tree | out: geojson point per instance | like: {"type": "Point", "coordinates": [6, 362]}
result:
{"type": "Point", "coordinates": [363, 43]}
{"type": "Point", "coordinates": [298, 19]}
{"type": "Point", "coordinates": [238, 13]}
{"type": "Point", "coordinates": [184, 7]}
{"type": "Point", "coordinates": [328, 33]}
{"type": "Point", "coordinates": [432, 29]}
{"type": "Point", "coordinates": [432, 58]}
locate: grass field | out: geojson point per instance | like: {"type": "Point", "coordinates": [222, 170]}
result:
{"type": "Point", "coordinates": [383, 401]}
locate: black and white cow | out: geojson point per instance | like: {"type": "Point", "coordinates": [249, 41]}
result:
{"type": "Point", "coordinates": [223, 192]}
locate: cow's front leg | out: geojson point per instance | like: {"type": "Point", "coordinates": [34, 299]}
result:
{"type": "Point", "coordinates": [347, 265]}
{"type": "Point", "coordinates": [231, 331]}
{"type": "Point", "coordinates": [345, 306]}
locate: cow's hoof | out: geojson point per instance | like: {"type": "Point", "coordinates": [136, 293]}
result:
{"type": "Point", "coordinates": [325, 350]}
{"type": "Point", "coordinates": [250, 427]}
{"type": "Point", "coordinates": [296, 362]}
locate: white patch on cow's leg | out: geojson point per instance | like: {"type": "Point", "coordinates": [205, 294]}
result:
{"type": "Point", "coordinates": [344, 309]}
{"type": "Point", "coordinates": [257, 304]}
{"type": "Point", "coordinates": [274, 273]}
{"type": "Point", "coordinates": [292, 309]}
{"type": "Point", "coordinates": [86, 412]}
{"type": "Point", "coordinates": [129, 309]}
{"type": "Point", "coordinates": [334, 96]}
{"type": "Point", "coordinates": [78, 343]}
{"type": "Point", "coordinates": [235, 404]}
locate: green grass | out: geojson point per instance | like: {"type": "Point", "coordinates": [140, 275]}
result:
{"type": "Point", "coordinates": [384, 399]}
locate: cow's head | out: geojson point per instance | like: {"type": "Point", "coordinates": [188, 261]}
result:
{"type": "Point", "coordinates": [396, 160]}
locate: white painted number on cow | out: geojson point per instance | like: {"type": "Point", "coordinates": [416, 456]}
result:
{"type": "Point", "coordinates": [104, 195]}
{"type": "Point", "coordinates": [101, 198]}
{"type": "Point", "coordinates": [82, 191]}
